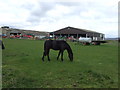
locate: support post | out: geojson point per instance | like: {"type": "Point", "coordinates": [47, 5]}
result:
{"type": "Point", "coordinates": [77, 36]}
{"type": "Point", "coordinates": [86, 35]}
{"type": "Point", "coordinates": [68, 35]}
{"type": "Point", "coordinates": [53, 34]}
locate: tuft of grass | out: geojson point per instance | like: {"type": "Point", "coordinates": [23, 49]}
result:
{"type": "Point", "coordinates": [15, 79]}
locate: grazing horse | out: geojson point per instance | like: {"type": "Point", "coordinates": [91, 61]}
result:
{"type": "Point", "coordinates": [60, 45]}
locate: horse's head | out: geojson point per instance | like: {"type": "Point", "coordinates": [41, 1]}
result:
{"type": "Point", "coordinates": [71, 56]}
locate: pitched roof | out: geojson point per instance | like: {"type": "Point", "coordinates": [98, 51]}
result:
{"type": "Point", "coordinates": [72, 30]}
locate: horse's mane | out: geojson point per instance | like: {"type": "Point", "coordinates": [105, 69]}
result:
{"type": "Point", "coordinates": [68, 48]}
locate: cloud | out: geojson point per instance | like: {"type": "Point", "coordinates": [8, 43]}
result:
{"type": "Point", "coordinates": [96, 15]}
{"type": "Point", "coordinates": [91, 15]}
{"type": "Point", "coordinates": [39, 11]}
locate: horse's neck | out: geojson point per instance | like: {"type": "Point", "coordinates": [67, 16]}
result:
{"type": "Point", "coordinates": [69, 50]}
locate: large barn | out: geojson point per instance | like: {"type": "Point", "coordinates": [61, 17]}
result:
{"type": "Point", "coordinates": [76, 33]}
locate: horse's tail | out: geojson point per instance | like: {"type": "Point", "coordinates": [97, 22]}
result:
{"type": "Point", "coordinates": [47, 45]}
{"type": "Point", "coordinates": [45, 48]}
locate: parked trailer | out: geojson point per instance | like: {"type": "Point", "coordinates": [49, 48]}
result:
{"type": "Point", "coordinates": [88, 41]}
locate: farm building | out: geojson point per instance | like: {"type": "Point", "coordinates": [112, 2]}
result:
{"type": "Point", "coordinates": [76, 33]}
{"type": "Point", "coordinates": [11, 31]}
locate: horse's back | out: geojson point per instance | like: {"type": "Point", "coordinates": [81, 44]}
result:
{"type": "Point", "coordinates": [55, 44]}
{"type": "Point", "coordinates": [47, 44]}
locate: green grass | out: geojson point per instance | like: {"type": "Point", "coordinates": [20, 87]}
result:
{"type": "Point", "coordinates": [93, 66]}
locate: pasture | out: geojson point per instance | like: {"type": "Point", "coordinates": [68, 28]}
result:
{"type": "Point", "coordinates": [92, 67]}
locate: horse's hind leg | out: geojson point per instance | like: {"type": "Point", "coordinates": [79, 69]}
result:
{"type": "Point", "coordinates": [58, 55]}
{"type": "Point", "coordinates": [43, 56]}
{"type": "Point", "coordinates": [47, 53]}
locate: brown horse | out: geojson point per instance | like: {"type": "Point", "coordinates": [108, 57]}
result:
{"type": "Point", "coordinates": [60, 45]}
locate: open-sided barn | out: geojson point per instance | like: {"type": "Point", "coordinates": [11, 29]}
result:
{"type": "Point", "coordinates": [76, 33]}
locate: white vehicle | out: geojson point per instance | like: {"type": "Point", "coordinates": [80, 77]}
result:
{"type": "Point", "coordinates": [82, 39]}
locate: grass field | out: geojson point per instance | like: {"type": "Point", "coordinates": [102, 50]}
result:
{"type": "Point", "coordinates": [93, 66]}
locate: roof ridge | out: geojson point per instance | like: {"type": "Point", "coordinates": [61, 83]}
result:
{"type": "Point", "coordinates": [82, 29]}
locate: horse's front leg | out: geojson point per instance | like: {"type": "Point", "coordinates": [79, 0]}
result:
{"type": "Point", "coordinates": [48, 58]}
{"type": "Point", "coordinates": [43, 55]}
{"type": "Point", "coordinates": [58, 55]}
{"type": "Point", "coordinates": [61, 55]}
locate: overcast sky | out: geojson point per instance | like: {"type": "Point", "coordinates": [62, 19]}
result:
{"type": "Point", "coordinates": [95, 15]}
